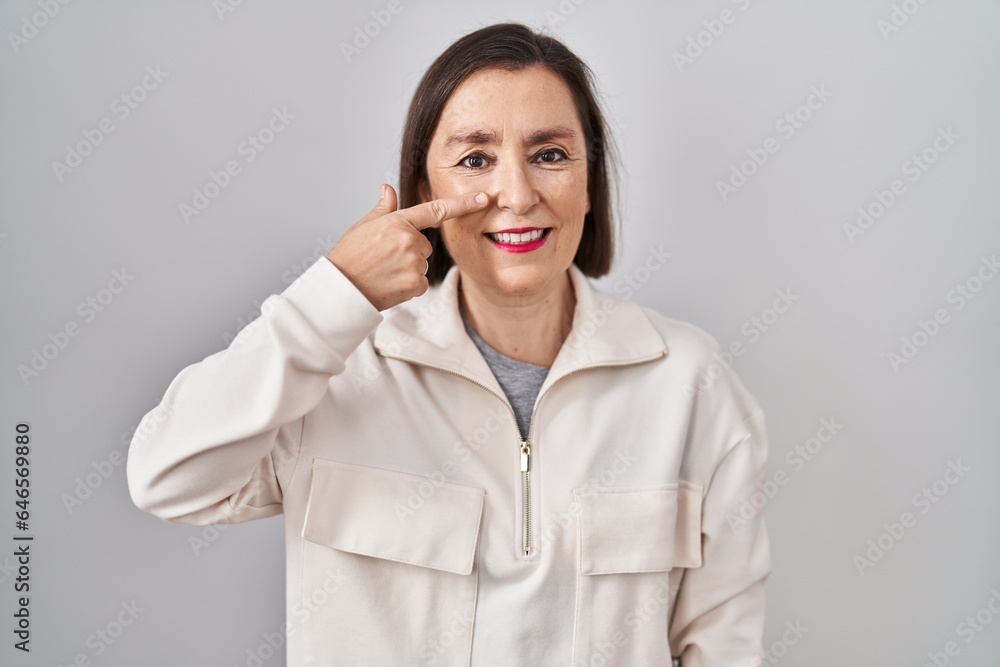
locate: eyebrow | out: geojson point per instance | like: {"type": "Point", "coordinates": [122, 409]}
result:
{"type": "Point", "coordinates": [490, 137]}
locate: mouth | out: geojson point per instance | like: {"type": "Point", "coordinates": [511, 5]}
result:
{"type": "Point", "coordinates": [523, 239]}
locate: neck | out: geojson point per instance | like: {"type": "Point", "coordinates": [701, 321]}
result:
{"type": "Point", "coordinates": [529, 328]}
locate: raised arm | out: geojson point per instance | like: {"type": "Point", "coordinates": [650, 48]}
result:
{"type": "Point", "coordinates": [224, 439]}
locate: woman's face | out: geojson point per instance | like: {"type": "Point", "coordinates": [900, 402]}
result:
{"type": "Point", "coordinates": [517, 137]}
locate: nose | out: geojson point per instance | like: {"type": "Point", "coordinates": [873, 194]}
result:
{"type": "Point", "coordinates": [513, 190]}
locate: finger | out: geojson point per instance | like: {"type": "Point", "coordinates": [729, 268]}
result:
{"type": "Point", "coordinates": [436, 211]}
{"type": "Point", "coordinates": [425, 248]}
{"type": "Point", "coordinates": [390, 197]}
{"type": "Point", "coordinates": [386, 203]}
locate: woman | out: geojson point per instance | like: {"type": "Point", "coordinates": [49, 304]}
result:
{"type": "Point", "coordinates": [481, 459]}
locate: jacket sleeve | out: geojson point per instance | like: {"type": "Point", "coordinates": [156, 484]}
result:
{"type": "Point", "coordinates": [718, 618]}
{"type": "Point", "coordinates": [224, 439]}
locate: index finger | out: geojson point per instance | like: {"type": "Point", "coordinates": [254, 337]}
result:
{"type": "Point", "coordinates": [436, 211]}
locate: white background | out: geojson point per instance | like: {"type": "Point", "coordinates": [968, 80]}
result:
{"type": "Point", "coordinates": [682, 129]}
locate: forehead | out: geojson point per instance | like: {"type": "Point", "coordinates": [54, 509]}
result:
{"type": "Point", "coordinates": [521, 101]}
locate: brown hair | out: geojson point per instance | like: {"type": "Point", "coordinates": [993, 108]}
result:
{"type": "Point", "coordinates": [513, 47]}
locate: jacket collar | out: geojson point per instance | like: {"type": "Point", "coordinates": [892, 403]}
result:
{"type": "Point", "coordinates": [606, 331]}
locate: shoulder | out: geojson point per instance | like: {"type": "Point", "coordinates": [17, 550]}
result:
{"type": "Point", "coordinates": [682, 337]}
{"type": "Point", "coordinates": [706, 368]}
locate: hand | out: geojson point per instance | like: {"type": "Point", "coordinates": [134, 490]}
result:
{"type": "Point", "coordinates": [385, 255]}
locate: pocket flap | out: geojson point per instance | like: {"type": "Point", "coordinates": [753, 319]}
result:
{"type": "Point", "coordinates": [639, 528]}
{"type": "Point", "coordinates": [393, 515]}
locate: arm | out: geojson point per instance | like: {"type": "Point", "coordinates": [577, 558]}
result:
{"type": "Point", "coordinates": [718, 620]}
{"type": "Point", "coordinates": [226, 436]}
{"type": "Point", "coordinates": [212, 451]}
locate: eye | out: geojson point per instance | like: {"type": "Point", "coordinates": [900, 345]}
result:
{"type": "Point", "coordinates": [552, 155]}
{"type": "Point", "coordinates": [473, 162]}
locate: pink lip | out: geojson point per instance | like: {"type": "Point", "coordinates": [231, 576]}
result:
{"type": "Point", "coordinates": [519, 247]}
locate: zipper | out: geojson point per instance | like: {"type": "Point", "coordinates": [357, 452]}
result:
{"type": "Point", "coordinates": [524, 443]}
{"type": "Point", "coordinates": [527, 546]}
{"type": "Point", "coordinates": [526, 484]}
{"type": "Point", "coordinates": [525, 447]}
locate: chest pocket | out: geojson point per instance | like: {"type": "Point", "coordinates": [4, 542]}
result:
{"type": "Point", "coordinates": [405, 548]}
{"type": "Point", "coordinates": [631, 541]}
{"type": "Point", "coordinates": [639, 529]}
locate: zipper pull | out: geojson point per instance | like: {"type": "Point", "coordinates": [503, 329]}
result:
{"type": "Point", "coordinates": [525, 455]}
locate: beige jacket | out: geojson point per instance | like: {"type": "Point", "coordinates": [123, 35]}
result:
{"type": "Point", "coordinates": [423, 529]}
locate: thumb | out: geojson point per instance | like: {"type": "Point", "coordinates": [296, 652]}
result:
{"type": "Point", "coordinates": [386, 204]}
{"type": "Point", "coordinates": [387, 201]}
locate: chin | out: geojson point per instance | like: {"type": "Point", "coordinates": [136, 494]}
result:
{"type": "Point", "coordinates": [526, 279]}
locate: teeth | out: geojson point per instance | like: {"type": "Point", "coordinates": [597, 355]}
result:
{"type": "Point", "coordinates": [514, 239]}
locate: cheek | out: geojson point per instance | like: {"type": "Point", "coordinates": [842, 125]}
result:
{"type": "Point", "coordinates": [448, 185]}
{"type": "Point", "coordinates": [462, 231]}
{"type": "Point", "coordinates": [568, 187]}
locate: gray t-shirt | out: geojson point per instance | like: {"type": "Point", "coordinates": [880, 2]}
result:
{"type": "Point", "coordinates": [519, 381]}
